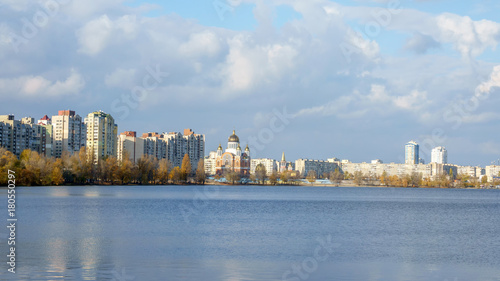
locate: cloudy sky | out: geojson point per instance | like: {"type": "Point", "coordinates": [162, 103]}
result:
{"type": "Point", "coordinates": [317, 79]}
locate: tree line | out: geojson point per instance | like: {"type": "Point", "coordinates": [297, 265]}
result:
{"type": "Point", "coordinates": [32, 168]}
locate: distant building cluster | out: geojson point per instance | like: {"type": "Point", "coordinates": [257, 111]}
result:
{"type": "Point", "coordinates": [18, 135]}
{"type": "Point", "coordinates": [171, 146]}
{"type": "Point", "coordinates": [97, 132]}
{"type": "Point", "coordinates": [68, 132]}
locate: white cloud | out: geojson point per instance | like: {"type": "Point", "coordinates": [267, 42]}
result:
{"type": "Point", "coordinates": [378, 93]}
{"type": "Point", "coordinates": [72, 85]}
{"type": "Point", "coordinates": [339, 107]}
{"type": "Point", "coordinates": [204, 43]}
{"type": "Point", "coordinates": [470, 38]}
{"type": "Point", "coordinates": [94, 36]}
{"type": "Point", "coordinates": [240, 69]}
{"type": "Point", "coordinates": [223, 72]}
{"type": "Point", "coordinates": [494, 82]}
{"type": "Point", "coordinates": [378, 100]}
{"type": "Point", "coordinates": [414, 101]}
{"type": "Point", "coordinates": [31, 86]}
{"type": "Point", "coordinates": [248, 65]}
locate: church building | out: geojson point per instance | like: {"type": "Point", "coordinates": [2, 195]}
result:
{"type": "Point", "coordinates": [233, 159]}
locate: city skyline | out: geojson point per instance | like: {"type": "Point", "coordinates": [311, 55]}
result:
{"type": "Point", "coordinates": [438, 154]}
{"type": "Point", "coordinates": [354, 80]}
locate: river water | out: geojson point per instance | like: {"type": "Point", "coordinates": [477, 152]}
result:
{"type": "Point", "coordinates": [253, 233]}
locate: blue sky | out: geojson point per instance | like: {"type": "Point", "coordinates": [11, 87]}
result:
{"type": "Point", "coordinates": [356, 79]}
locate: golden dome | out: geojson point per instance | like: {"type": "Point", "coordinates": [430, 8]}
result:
{"type": "Point", "coordinates": [233, 138]}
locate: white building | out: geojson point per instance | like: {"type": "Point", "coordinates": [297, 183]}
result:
{"type": "Point", "coordinates": [271, 165]}
{"type": "Point", "coordinates": [102, 139]}
{"type": "Point", "coordinates": [46, 122]}
{"type": "Point", "coordinates": [472, 171]}
{"type": "Point", "coordinates": [68, 132]}
{"type": "Point", "coordinates": [16, 135]}
{"type": "Point", "coordinates": [177, 145]}
{"type": "Point", "coordinates": [412, 153]}
{"type": "Point", "coordinates": [173, 146]}
{"type": "Point", "coordinates": [439, 155]}
{"type": "Point", "coordinates": [492, 172]}
{"type": "Point", "coordinates": [210, 162]}
{"type": "Point", "coordinates": [319, 166]}
{"type": "Point", "coordinates": [376, 170]}
{"type": "Point", "coordinates": [156, 145]}
{"type": "Point", "coordinates": [130, 143]}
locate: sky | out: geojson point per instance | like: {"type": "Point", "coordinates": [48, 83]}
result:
{"type": "Point", "coordinates": [315, 79]}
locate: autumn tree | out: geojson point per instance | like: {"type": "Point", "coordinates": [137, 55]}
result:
{"type": "Point", "coordinates": [358, 178]}
{"type": "Point", "coordinates": [110, 169]}
{"type": "Point", "coordinates": [34, 168]}
{"type": "Point", "coordinates": [284, 176]}
{"type": "Point", "coordinates": [186, 167]}
{"type": "Point", "coordinates": [311, 176]}
{"type": "Point", "coordinates": [415, 179]}
{"type": "Point", "coordinates": [146, 167]}
{"type": "Point", "coordinates": [484, 180]}
{"type": "Point", "coordinates": [383, 179]}
{"type": "Point", "coordinates": [125, 169]}
{"type": "Point", "coordinates": [8, 161]}
{"type": "Point", "coordinates": [474, 182]}
{"type": "Point", "coordinates": [162, 174]}
{"type": "Point", "coordinates": [273, 178]}
{"type": "Point", "coordinates": [57, 172]}
{"type": "Point", "coordinates": [232, 176]}
{"type": "Point", "coordinates": [77, 167]}
{"type": "Point", "coordinates": [336, 176]}
{"type": "Point", "coordinates": [200, 172]}
{"type": "Point", "coordinates": [405, 180]}
{"type": "Point", "coordinates": [175, 175]}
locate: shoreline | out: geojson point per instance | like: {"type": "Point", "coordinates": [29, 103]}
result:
{"type": "Point", "coordinates": [301, 184]}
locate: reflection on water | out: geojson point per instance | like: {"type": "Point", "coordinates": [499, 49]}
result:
{"type": "Point", "coordinates": [245, 233]}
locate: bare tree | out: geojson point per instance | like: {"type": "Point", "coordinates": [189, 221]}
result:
{"type": "Point", "coordinates": [260, 173]}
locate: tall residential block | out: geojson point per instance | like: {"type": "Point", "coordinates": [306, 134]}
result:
{"type": "Point", "coordinates": [46, 123]}
{"type": "Point", "coordinates": [69, 133]}
{"type": "Point", "coordinates": [439, 155]}
{"type": "Point", "coordinates": [18, 135]}
{"type": "Point", "coordinates": [129, 143]}
{"type": "Point", "coordinates": [102, 138]}
{"type": "Point", "coordinates": [411, 153]}
{"type": "Point", "coordinates": [189, 143]}
{"type": "Point", "coordinates": [155, 145]}
{"type": "Point", "coordinates": [170, 146]}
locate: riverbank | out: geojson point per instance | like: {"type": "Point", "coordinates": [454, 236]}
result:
{"type": "Point", "coordinates": [345, 183]}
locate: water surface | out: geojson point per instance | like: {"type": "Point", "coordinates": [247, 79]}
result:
{"type": "Point", "coordinates": [254, 233]}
